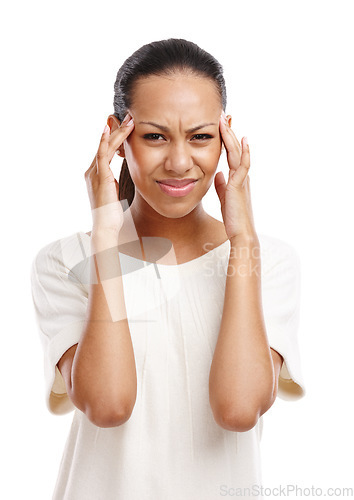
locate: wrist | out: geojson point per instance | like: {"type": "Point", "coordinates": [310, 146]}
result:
{"type": "Point", "coordinates": [102, 239]}
{"type": "Point", "coordinates": [244, 239]}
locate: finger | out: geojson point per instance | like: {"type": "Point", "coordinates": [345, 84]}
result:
{"type": "Point", "coordinates": [232, 146]}
{"type": "Point", "coordinates": [225, 122]}
{"type": "Point", "coordinates": [93, 167]}
{"type": "Point", "coordinates": [115, 139]}
{"type": "Point", "coordinates": [240, 177]}
{"type": "Point", "coordinates": [234, 137]}
{"type": "Point", "coordinates": [119, 135]}
{"type": "Point", "coordinates": [220, 185]}
{"type": "Point", "coordinates": [245, 158]}
{"type": "Point", "coordinates": [228, 127]}
{"type": "Point", "coordinates": [102, 162]}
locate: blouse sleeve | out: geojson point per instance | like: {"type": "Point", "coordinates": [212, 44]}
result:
{"type": "Point", "coordinates": [60, 302]}
{"type": "Point", "coordinates": [281, 283]}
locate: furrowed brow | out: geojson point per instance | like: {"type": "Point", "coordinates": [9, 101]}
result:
{"type": "Point", "coordinates": [166, 129]}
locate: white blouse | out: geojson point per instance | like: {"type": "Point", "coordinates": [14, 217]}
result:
{"type": "Point", "coordinates": [171, 448]}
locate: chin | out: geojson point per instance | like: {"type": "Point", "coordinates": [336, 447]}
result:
{"type": "Point", "coordinates": [173, 211]}
{"type": "Point", "coordinates": [173, 208]}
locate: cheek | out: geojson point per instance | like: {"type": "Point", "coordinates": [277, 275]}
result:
{"type": "Point", "coordinates": [139, 161]}
{"type": "Point", "coordinates": [131, 149]}
{"type": "Point", "coordinates": [209, 156]}
{"type": "Point", "coordinates": [138, 154]}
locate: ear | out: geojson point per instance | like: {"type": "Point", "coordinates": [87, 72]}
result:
{"type": "Point", "coordinates": [114, 123]}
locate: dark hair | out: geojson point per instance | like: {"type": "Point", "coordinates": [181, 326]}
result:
{"type": "Point", "coordinates": [164, 57]}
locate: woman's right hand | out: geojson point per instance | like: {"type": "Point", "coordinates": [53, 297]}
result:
{"type": "Point", "coordinates": [102, 187]}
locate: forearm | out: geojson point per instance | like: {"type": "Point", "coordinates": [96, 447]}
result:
{"type": "Point", "coordinates": [103, 370]}
{"type": "Point", "coordinates": [241, 377]}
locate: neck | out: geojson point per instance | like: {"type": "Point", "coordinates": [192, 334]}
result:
{"type": "Point", "coordinates": [178, 229]}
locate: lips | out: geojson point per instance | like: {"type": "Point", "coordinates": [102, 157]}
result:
{"type": "Point", "coordinates": [177, 191]}
{"type": "Point", "coordinates": [177, 183]}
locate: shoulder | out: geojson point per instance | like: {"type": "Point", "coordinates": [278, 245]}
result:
{"type": "Point", "coordinates": [66, 251]}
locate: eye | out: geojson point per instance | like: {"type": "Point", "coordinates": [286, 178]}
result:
{"type": "Point", "coordinates": [203, 137]}
{"type": "Point", "coordinates": [152, 137]}
{"type": "Point", "coordinates": [199, 137]}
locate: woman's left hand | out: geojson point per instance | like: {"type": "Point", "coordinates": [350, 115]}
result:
{"type": "Point", "coordinates": [235, 197]}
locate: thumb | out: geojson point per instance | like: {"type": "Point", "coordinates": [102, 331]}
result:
{"type": "Point", "coordinates": [220, 185]}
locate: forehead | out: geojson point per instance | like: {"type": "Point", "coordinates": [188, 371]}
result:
{"type": "Point", "coordinates": [177, 93]}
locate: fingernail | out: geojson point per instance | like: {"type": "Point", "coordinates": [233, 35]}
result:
{"type": "Point", "coordinates": [106, 129]}
{"type": "Point", "coordinates": [126, 118]}
{"type": "Point", "coordinates": [223, 116]}
{"type": "Point", "coordinates": [245, 141]}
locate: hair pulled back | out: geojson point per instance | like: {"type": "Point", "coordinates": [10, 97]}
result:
{"type": "Point", "coordinates": [164, 57]}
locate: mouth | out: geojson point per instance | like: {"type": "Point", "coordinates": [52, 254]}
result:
{"type": "Point", "coordinates": [177, 182]}
{"type": "Point", "coordinates": [177, 188]}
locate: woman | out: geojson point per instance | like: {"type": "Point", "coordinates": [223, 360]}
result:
{"type": "Point", "coordinates": [168, 332]}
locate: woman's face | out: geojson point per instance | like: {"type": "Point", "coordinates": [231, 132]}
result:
{"type": "Point", "coordinates": [169, 149]}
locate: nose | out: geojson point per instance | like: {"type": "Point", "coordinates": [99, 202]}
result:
{"type": "Point", "coordinates": [179, 158]}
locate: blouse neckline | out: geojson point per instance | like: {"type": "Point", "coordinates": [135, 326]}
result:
{"type": "Point", "coordinates": [189, 263]}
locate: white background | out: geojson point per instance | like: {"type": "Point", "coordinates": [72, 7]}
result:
{"type": "Point", "coordinates": [289, 73]}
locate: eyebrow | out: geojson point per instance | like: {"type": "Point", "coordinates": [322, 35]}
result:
{"type": "Point", "coordinates": [166, 129]}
